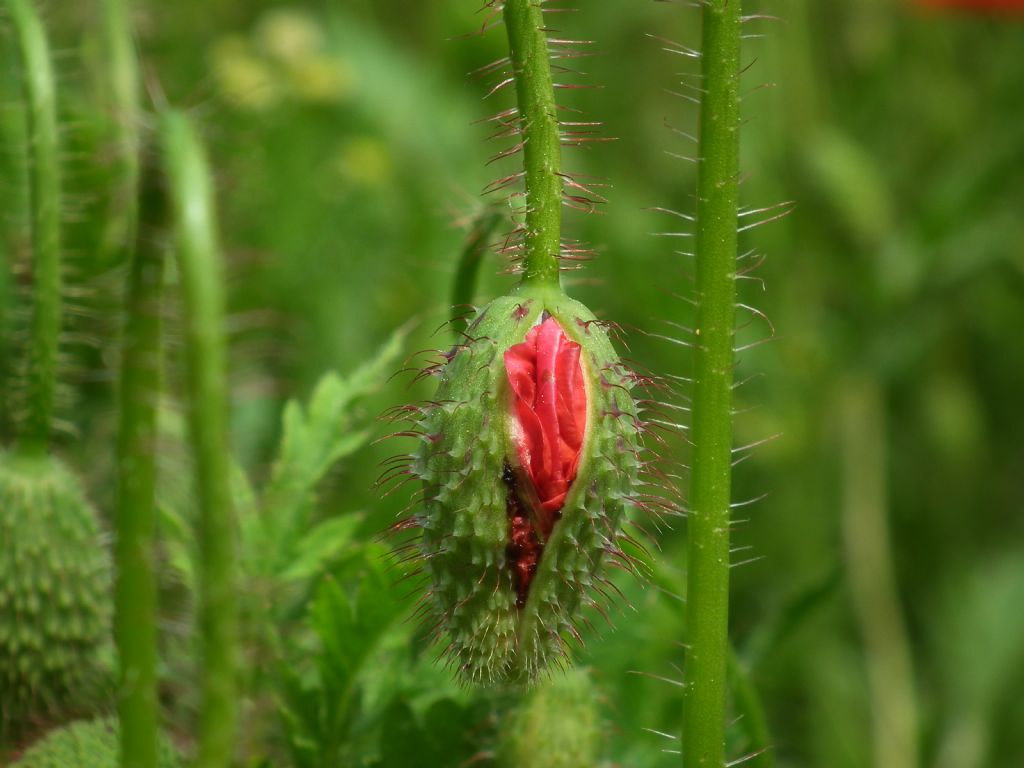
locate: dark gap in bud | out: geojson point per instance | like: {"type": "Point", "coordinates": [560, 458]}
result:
{"type": "Point", "coordinates": [524, 548]}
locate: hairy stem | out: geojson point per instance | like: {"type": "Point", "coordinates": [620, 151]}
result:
{"type": "Point", "coordinates": [135, 595]}
{"type": "Point", "coordinates": [468, 268]}
{"type": "Point", "coordinates": [542, 148]}
{"type": "Point", "coordinates": [121, 88]}
{"type": "Point", "coordinates": [40, 96]}
{"type": "Point", "coordinates": [703, 737]}
{"type": "Point", "coordinates": [201, 279]}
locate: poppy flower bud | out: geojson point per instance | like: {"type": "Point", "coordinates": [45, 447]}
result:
{"type": "Point", "coordinates": [54, 590]}
{"type": "Point", "coordinates": [528, 463]}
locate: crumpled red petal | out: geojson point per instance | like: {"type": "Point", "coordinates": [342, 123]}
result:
{"type": "Point", "coordinates": [550, 405]}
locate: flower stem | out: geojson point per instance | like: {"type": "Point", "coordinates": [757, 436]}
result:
{"type": "Point", "coordinates": [121, 87]}
{"type": "Point", "coordinates": [201, 278]}
{"type": "Point", "coordinates": [542, 148]}
{"type": "Point", "coordinates": [135, 597]}
{"type": "Point", "coordinates": [703, 738]}
{"type": "Point", "coordinates": [39, 91]}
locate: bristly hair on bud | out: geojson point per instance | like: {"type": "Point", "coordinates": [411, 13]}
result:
{"type": "Point", "coordinates": [530, 450]}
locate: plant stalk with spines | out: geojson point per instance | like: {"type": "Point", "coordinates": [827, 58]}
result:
{"type": "Point", "coordinates": [542, 143]}
{"type": "Point", "coordinates": [703, 734]}
{"type": "Point", "coordinates": [200, 273]}
{"type": "Point", "coordinates": [135, 597]}
{"type": "Point", "coordinates": [40, 97]}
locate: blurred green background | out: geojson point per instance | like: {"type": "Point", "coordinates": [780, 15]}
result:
{"type": "Point", "coordinates": [885, 589]}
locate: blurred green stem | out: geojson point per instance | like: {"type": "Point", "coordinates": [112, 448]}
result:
{"type": "Point", "coordinates": [468, 268]}
{"type": "Point", "coordinates": [750, 710]}
{"type": "Point", "coordinates": [703, 737]}
{"type": "Point", "coordinates": [39, 91]}
{"type": "Point", "coordinates": [135, 597]}
{"type": "Point", "coordinates": [541, 138]}
{"type": "Point", "coordinates": [871, 576]}
{"type": "Point", "coordinates": [121, 87]}
{"type": "Point", "coordinates": [201, 279]}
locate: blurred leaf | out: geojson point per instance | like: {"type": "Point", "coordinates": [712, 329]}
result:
{"type": "Point", "coordinates": [322, 545]}
{"type": "Point", "coordinates": [799, 608]}
{"type": "Point", "coordinates": [852, 184]}
{"type": "Point", "coordinates": [980, 633]}
{"type": "Point", "coordinates": [441, 740]}
{"type": "Point", "coordinates": [176, 535]}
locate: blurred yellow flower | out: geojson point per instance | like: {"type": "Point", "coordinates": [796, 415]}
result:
{"type": "Point", "coordinates": [365, 161]}
{"type": "Point", "coordinates": [319, 78]}
{"type": "Point", "coordinates": [244, 79]}
{"type": "Point", "coordinates": [288, 35]}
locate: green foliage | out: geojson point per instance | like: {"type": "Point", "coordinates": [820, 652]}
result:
{"type": "Point", "coordinates": [446, 733]}
{"type": "Point", "coordinates": [323, 701]}
{"type": "Point", "coordinates": [93, 744]}
{"type": "Point", "coordinates": [55, 599]}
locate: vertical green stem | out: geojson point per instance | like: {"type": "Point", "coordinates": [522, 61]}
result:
{"type": "Point", "coordinates": [121, 73]}
{"type": "Point", "coordinates": [200, 273]}
{"type": "Point", "coordinates": [871, 577]}
{"type": "Point", "coordinates": [703, 737]}
{"type": "Point", "coordinates": [44, 183]}
{"type": "Point", "coordinates": [468, 268]}
{"type": "Point", "coordinates": [542, 148]}
{"type": "Point", "coordinates": [135, 596]}
{"type": "Point", "coordinates": [750, 711]}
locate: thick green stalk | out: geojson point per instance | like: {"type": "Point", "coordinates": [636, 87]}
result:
{"type": "Point", "coordinates": [135, 595]}
{"type": "Point", "coordinates": [200, 273]}
{"type": "Point", "coordinates": [703, 737]}
{"type": "Point", "coordinates": [121, 88]}
{"type": "Point", "coordinates": [468, 268]}
{"type": "Point", "coordinates": [40, 96]}
{"type": "Point", "coordinates": [542, 147]}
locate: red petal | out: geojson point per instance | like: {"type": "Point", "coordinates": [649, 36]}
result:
{"type": "Point", "coordinates": [546, 378]}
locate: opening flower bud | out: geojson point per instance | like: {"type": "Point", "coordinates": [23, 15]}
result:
{"type": "Point", "coordinates": [529, 459]}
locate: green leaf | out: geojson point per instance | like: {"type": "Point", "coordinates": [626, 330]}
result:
{"type": "Point", "coordinates": [313, 439]}
{"type": "Point", "coordinates": [325, 543]}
